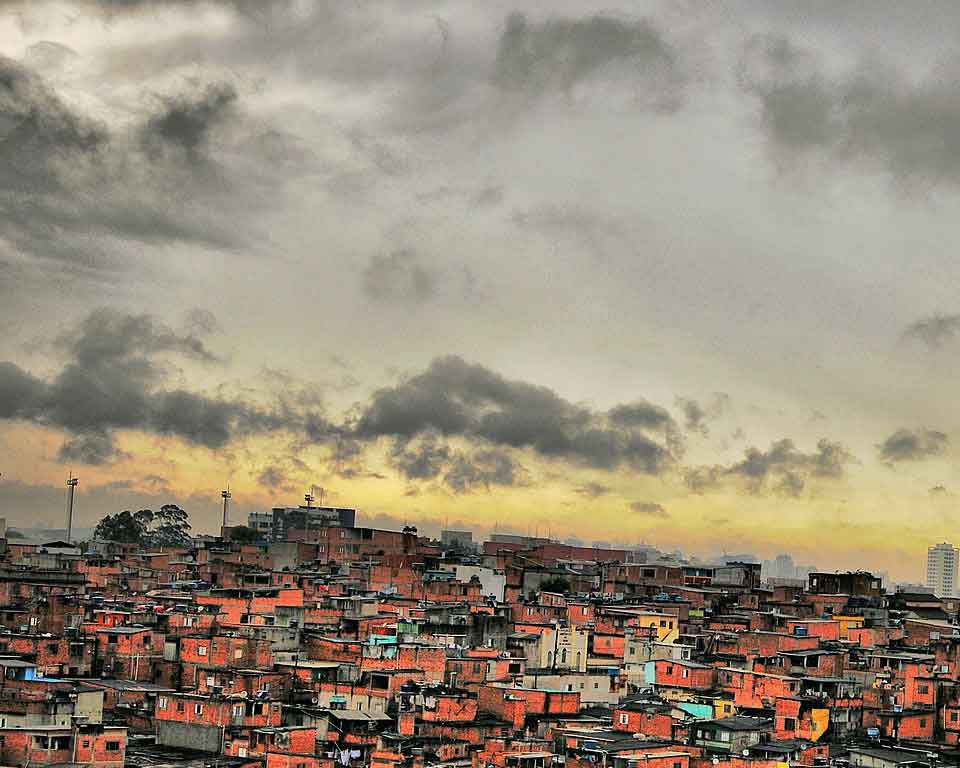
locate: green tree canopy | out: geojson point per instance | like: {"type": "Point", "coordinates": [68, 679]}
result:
{"type": "Point", "coordinates": [169, 527]}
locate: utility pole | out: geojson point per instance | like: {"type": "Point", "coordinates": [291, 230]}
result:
{"type": "Point", "coordinates": [71, 488]}
{"type": "Point", "coordinates": [308, 498]}
{"type": "Point", "coordinates": [225, 495]}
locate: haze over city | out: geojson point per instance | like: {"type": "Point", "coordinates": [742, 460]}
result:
{"type": "Point", "coordinates": [678, 273]}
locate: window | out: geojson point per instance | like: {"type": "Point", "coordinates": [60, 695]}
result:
{"type": "Point", "coordinates": [789, 724]}
{"type": "Point", "coordinates": [238, 710]}
{"type": "Point", "coordinates": [162, 702]}
{"type": "Point", "coordinates": [179, 706]}
{"type": "Point", "coordinates": [238, 654]}
{"type": "Point", "coordinates": [201, 650]}
{"type": "Point", "coordinates": [663, 622]}
{"type": "Point", "coordinates": [953, 717]}
{"type": "Point", "coordinates": [921, 689]}
{"type": "Point", "coordinates": [624, 718]}
{"type": "Point", "coordinates": [923, 722]}
{"type": "Point", "coordinates": [686, 674]}
{"type": "Point", "coordinates": [724, 735]}
{"type": "Point", "coordinates": [677, 765]}
{"type": "Point", "coordinates": [113, 746]}
{"type": "Point", "coordinates": [198, 709]}
{"type": "Point", "coordinates": [52, 647]}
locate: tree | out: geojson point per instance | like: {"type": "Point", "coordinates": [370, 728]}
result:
{"type": "Point", "coordinates": [555, 584]}
{"type": "Point", "coordinates": [243, 535]}
{"type": "Point", "coordinates": [169, 527]}
{"type": "Point", "coordinates": [125, 527]}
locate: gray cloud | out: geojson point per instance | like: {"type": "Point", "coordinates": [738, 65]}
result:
{"type": "Point", "coordinates": [783, 465]}
{"type": "Point", "coordinates": [274, 478]}
{"type": "Point", "coordinates": [872, 115]}
{"type": "Point", "coordinates": [421, 458]}
{"type": "Point", "coordinates": [592, 490]}
{"type": "Point", "coordinates": [186, 121]}
{"type": "Point", "coordinates": [934, 330]}
{"type": "Point", "coordinates": [649, 509]}
{"type": "Point", "coordinates": [113, 380]}
{"type": "Point", "coordinates": [912, 445]}
{"type": "Point", "coordinates": [791, 484]}
{"type": "Point", "coordinates": [399, 277]}
{"type": "Point", "coordinates": [559, 53]}
{"type": "Point", "coordinates": [75, 191]}
{"type": "Point", "coordinates": [455, 398]}
{"type": "Point", "coordinates": [696, 415]}
{"type": "Point", "coordinates": [428, 456]}
{"type": "Point", "coordinates": [702, 479]}
{"type": "Point", "coordinates": [93, 448]}
{"type": "Point", "coordinates": [482, 469]}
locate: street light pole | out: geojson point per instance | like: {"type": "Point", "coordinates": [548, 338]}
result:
{"type": "Point", "coordinates": [71, 488]}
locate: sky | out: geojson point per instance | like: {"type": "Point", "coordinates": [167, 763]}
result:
{"type": "Point", "coordinates": [681, 273]}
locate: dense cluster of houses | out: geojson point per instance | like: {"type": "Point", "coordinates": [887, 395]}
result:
{"type": "Point", "coordinates": [344, 646]}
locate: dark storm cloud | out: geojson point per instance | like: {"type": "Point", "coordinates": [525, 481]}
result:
{"type": "Point", "coordinates": [75, 191]}
{"type": "Point", "coordinates": [187, 120]}
{"type": "Point", "coordinates": [40, 137]}
{"type": "Point", "coordinates": [422, 458]}
{"type": "Point", "coordinates": [428, 456]}
{"type": "Point", "coordinates": [105, 336]}
{"type": "Point", "coordinates": [783, 457]}
{"type": "Point", "coordinates": [482, 469]}
{"type": "Point", "coordinates": [783, 465]}
{"type": "Point", "coordinates": [913, 445]}
{"type": "Point", "coordinates": [649, 509]}
{"type": "Point", "coordinates": [113, 379]}
{"type": "Point", "coordinates": [934, 330]}
{"type": "Point", "coordinates": [872, 115]}
{"type": "Point", "coordinates": [535, 57]}
{"type": "Point", "coordinates": [20, 392]}
{"type": "Point", "coordinates": [399, 277]}
{"type": "Point", "coordinates": [455, 398]}
{"type": "Point", "coordinates": [93, 448]}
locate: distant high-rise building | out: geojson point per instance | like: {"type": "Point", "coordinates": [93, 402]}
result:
{"type": "Point", "coordinates": [261, 522]}
{"type": "Point", "coordinates": [457, 539]}
{"type": "Point", "coordinates": [942, 570]}
{"type": "Point", "coordinates": [303, 518]}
